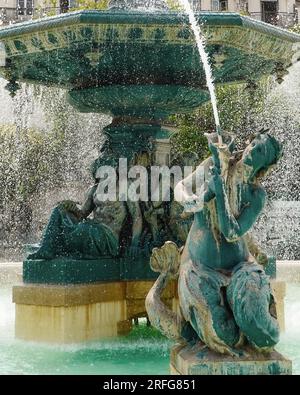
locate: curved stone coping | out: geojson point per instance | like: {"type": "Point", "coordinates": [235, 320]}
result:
{"type": "Point", "coordinates": [288, 271]}
{"type": "Point", "coordinates": [83, 294]}
{"type": "Point", "coordinates": [10, 273]}
{"type": "Point", "coordinates": [138, 17]}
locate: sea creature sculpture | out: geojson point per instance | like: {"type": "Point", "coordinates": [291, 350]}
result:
{"type": "Point", "coordinates": [225, 297]}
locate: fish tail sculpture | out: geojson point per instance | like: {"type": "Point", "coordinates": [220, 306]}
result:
{"type": "Point", "coordinates": [166, 261]}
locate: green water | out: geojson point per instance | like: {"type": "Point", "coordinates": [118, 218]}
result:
{"type": "Point", "coordinates": [289, 345]}
{"type": "Point", "coordinates": [143, 352]}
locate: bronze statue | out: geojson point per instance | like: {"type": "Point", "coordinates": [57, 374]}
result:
{"type": "Point", "coordinates": [224, 294]}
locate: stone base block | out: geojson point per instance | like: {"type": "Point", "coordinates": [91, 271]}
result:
{"type": "Point", "coordinates": [199, 360]}
{"type": "Point", "coordinates": [80, 312]}
{"type": "Point", "coordinates": [279, 291]}
{"type": "Point", "coordinates": [69, 314]}
{"type": "Point", "coordinates": [69, 324]}
{"type": "Point", "coordinates": [77, 313]}
{"type": "Point", "coordinates": [124, 327]}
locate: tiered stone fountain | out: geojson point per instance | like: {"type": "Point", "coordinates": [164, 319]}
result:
{"type": "Point", "coordinates": [139, 67]}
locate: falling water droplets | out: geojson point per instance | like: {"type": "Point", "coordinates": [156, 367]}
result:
{"type": "Point", "coordinates": [200, 40]}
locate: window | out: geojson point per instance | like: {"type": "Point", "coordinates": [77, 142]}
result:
{"type": "Point", "coordinates": [243, 6]}
{"type": "Point", "coordinates": [196, 5]}
{"type": "Point", "coordinates": [219, 5]}
{"type": "Point", "coordinates": [25, 7]}
{"type": "Point", "coordinates": [73, 3]}
{"type": "Point", "coordinates": [21, 7]}
{"type": "Point", "coordinates": [215, 5]}
{"type": "Point", "coordinates": [29, 7]}
{"type": "Point", "coordinates": [223, 5]}
{"type": "Point", "coordinates": [269, 12]}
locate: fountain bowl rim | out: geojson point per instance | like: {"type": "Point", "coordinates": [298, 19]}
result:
{"type": "Point", "coordinates": [136, 17]}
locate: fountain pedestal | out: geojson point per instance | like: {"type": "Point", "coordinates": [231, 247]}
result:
{"type": "Point", "coordinates": [199, 360]}
{"type": "Point", "coordinates": [80, 312]}
{"type": "Point", "coordinates": [76, 313]}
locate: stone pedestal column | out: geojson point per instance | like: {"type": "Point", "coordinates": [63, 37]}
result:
{"type": "Point", "coordinates": [199, 360]}
{"type": "Point", "coordinates": [279, 290]}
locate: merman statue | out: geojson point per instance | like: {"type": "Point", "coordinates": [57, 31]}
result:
{"type": "Point", "coordinates": [225, 296]}
{"type": "Point", "coordinates": [95, 228]}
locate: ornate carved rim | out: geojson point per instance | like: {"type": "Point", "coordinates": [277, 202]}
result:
{"type": "Point", "coordinates": [222, 28]}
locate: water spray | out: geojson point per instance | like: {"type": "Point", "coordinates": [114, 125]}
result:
{"type": "Point", "coordinates": [200, 40]}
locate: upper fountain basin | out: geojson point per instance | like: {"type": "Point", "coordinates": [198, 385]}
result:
{"type": "Point", "coordinates": [88, 49]}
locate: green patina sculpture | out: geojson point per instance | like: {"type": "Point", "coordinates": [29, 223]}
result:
{"type": "Point", "coordinates": [70, 234]}
{"type": "Point", "coordinates": [117, 228]}
{"type": "Point", "coordinates": [225, 296]}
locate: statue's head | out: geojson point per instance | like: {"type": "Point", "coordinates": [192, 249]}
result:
{"type": "Point", "coordinates": [262, 154]}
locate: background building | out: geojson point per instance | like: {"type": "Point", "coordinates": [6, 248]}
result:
{"type": "Point", "coordinates": [20, 10]}
{"type": "Point", "coordinates": [279, 12]}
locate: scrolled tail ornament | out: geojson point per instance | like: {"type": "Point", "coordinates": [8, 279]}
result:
{"type": "Point", "coordinates": [166, 261]}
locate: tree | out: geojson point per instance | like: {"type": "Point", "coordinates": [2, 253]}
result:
{"type": "Point", "coordinates": [295, 29]}
{"type": "Point", "coordinates": [238, 106]}
{"type": "Point", "coordinates": [29, 161]}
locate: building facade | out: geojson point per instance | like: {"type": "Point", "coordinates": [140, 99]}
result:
{"type": "Point", "coordinates": [279, 12]}
{"type": "Point", "coordinates": [12, 11]}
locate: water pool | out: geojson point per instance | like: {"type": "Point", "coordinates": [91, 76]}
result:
{"type": "Point", "coordinates": [142, 352]}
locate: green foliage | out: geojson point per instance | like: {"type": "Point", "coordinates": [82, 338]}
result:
{"type": "Point", "coordinates": [35, 162]}
{"type": "Point", "coordinates": [238, 105]}
{"type": "Point", "coordinates": [244, 13]}
{"type": "Point", "coordinates": [92, 4]}
{"type": "Point", "coordinates": [29, 163]}
{"type": "Point", "coordinates": [32, 150]}
{"type": "Point", "coordinates": [189, 139]}
{"type": "Point", "coordinates": [173, 4]}
{"type": "Point", "coordinates": [295, 29]}
{"type": "Point", "coordinates": [102, 4]}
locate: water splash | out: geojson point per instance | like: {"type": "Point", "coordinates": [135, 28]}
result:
{"type": "Point", "coordinates": [44, 160]}
{"type": "Point", "coordinates": [143, 352]}
{"type": "Point", "coordinates": [200, 40]}
{"type": "Point", "coordinates": [278, 229]}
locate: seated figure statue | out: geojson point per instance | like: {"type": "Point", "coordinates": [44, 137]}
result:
{"type": "Point", "coordinates": [70, 233]}
{"type": "Point", "coordinates": [224, 294]}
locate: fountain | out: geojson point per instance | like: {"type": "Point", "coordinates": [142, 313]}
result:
{"type": "Point", "coordinates": [139, 67]}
